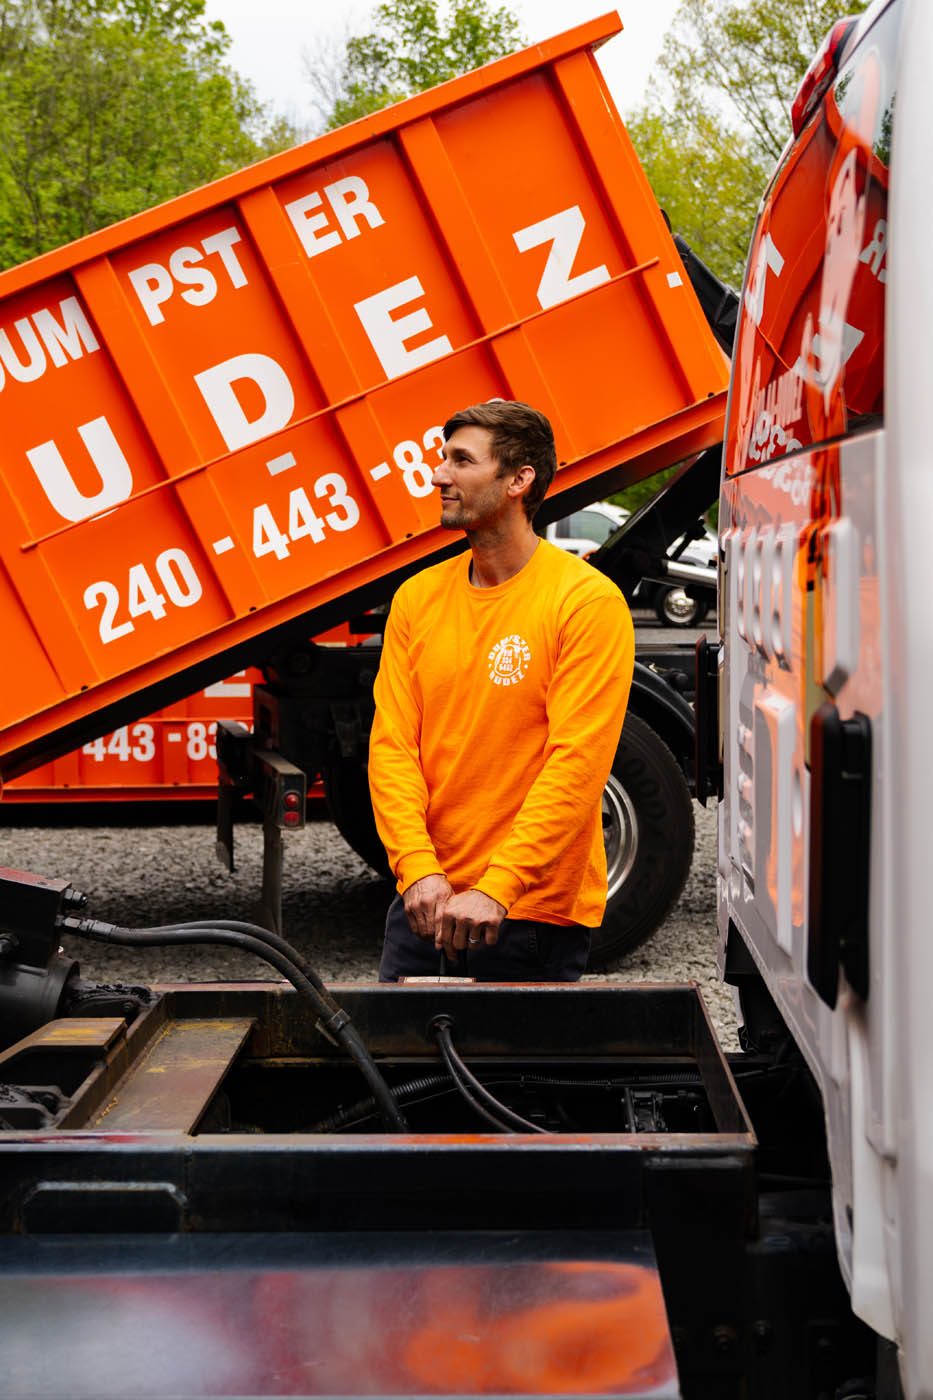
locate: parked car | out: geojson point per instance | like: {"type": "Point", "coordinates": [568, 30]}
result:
{"type": "Point", "coordinates": [685, 604]}
{"type": "Point", "coordinates": [587, 529]}
{"type": "Point", "coordinates": [676, 604]}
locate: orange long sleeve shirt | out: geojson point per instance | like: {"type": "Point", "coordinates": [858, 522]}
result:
{"type": "Point", "coordinates": [498, 712]}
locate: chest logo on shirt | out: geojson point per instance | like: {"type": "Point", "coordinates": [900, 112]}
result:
{"type": "Point", "coordinates": [508, 660]}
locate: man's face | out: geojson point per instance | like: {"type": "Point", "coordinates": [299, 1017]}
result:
{"type": "Point", "coordinates": [473, 496]}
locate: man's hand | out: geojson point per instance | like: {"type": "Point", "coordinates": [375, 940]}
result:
{"type": "Point", "coordinates": [468, 919]}
{"type": "Point", "coordinates": [425, 902]}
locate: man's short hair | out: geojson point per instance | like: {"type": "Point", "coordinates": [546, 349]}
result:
{"type": "Point", "coordinates": [521, 436]}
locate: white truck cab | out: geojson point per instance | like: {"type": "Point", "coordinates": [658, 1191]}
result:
{"type": "Point", "coordinates": [825, 856]}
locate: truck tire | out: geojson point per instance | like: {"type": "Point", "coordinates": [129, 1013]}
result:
{"type": "Point", "coordinates": [648, 829]}
{"type": "Point", "coordinates": [676, 608]}
{"type": "Point", "coordinates": [346, 790]}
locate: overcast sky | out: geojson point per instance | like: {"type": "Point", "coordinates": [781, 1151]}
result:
{"type": "Point", "coordinates": [268, 37]}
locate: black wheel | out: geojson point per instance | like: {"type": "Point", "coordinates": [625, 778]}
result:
{"type": "Point", "coordinates": [346, 790]}
{"type": "Point", "coordinates": [676, 608]}
{"type": "Point", "coordinates": [648, 830]}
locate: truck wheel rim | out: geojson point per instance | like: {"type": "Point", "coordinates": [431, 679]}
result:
{"type": "Point", "coordinates": [679, 606]}
{"type": "Point", "coordinates": [620, 834]}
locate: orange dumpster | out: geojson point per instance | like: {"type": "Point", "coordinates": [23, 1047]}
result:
{"type": "Point", "coordinates": [220, 417]}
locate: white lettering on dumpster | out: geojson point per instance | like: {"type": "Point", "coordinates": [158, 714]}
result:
{"type": "Point", "coordinates": [154, 283]}
{"type": "Point", "coordinates": [349, 201]}
{"type": "Point", "coordinates": [142, 596]}
{"type": "Point", "coordinates": [564, 231]}
{"type": "Point", "coordinates": [69, 337]}
{"type": "Point", "coordinates": [116, 479]}
{"type": "Point", "coordinates": [388, 335]}
{"type": "Point", "coordinates": [216, 384]}
{"type": "Point", "coordinates": [25, 370]}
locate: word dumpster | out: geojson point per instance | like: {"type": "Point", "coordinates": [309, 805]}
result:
{"type": "Point", "coordinates": [220, 417]}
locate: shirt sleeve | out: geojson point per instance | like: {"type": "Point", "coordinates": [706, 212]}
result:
{"type": "Point", "coordinates": [586, 702]}
{"type": "Point", "coordinates": [396, 783]}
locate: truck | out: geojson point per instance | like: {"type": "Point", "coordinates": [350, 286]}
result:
{"type": "Point", "coordinates": [272, 325]}
{"type": "Point", "coordinates": [170, 756]}
{"type": "Point", "coordinates": [448, 1187]}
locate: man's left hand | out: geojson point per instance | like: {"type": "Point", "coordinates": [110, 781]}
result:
{"type": "Point", "coordinates": [468, 919]}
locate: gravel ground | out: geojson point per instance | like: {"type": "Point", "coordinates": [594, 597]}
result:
{"type": "Point", "coordinates": [137, 873]}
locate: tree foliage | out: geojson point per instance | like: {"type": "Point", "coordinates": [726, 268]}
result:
{"type": "Point", "coordinates": [413, 45]}
{"type": "Point", "coordinates": [111, 106]}
{"type": "Point", "coordinates": [717, 115]}
{"type": "Point", "coordinates": [632, 498]}
{"type": "Point", "coordinates": [707, 180]}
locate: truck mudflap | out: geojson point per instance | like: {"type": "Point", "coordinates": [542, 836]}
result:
{"type": "Point", "coordinates": [220, 416]}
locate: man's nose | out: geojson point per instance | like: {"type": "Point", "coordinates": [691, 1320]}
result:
{"type": "Point", "coordinates": [441, 476]}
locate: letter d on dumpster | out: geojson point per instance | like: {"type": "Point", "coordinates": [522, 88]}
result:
{"type": "Point", "coordinates": [216, 385]}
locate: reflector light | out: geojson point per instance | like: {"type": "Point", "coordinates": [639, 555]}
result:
{"type": "Point", "coordinates": [292, 799]}
{"type": "Point", "coordinates": [293, 819]}
{"type": "Point", "coordinates": [819, 76]}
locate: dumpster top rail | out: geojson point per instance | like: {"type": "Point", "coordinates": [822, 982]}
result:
{"type": "Point", "coordinates": [220, 417]}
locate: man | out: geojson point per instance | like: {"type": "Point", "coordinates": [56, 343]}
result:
{"type": "Point", "coordinates": [499, 702]}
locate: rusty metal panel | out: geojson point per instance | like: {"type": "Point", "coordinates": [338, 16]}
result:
{"type": "Point", "coordinates": [174, 1080]}
{"type": "Point", "coordinates": [221, 415]}
{"type": "Point", "coordinates": [72, 1035]}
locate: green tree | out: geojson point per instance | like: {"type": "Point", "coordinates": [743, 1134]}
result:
{"type": "Point", "coordinates": [707, 180]}
{"type": "Point", "coordinates": [715, 121]}
{"type": "Point", "coordinates": [413, 45]}
{"type": "Point", "coordinates": [717, 114]}
{"type": "Point", "coordinates": [111, 106]}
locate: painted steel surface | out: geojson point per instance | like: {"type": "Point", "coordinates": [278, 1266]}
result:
{"type": "Point", "coordinates": [824, 520]}
{"type": "Point", "coordinates": [464, 1314]}
{"type": "Point", "coordinates": [135, 1226]}
{"type": "Point", "coordinates": [166, 756]}
{"type": "Point", "coordinates": [222, 414]}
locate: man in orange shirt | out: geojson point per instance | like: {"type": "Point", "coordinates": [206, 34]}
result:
{"type": "Point", "coordinates": [499, 703]}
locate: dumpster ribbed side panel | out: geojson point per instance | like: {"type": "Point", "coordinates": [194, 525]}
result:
{"type": "Point", "coordinates": [222, 416]}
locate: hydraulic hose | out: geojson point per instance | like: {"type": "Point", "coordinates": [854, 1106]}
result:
{"type": "Point", "coordinates": [470, 1087]}
{"type": "Point", "coordinates": [463, 1089]}
{"type": "Point", "coordinates": [264, 935]}
{"type": "Point", "coordinates": [333, 1021]}
{"type": "Point", "coordinates": [416, 1090]}
{"type": "Point", "coordinates": [363, 1108]}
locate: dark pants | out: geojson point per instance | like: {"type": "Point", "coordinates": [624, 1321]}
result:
{"type": "Point", "coordinates": [527, 951]}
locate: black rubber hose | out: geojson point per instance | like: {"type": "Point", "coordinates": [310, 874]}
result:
{"type": "Point", "coordinates": [264, 935]}
{"type": "Point", "coordinates": [413, 1088]}
{"type": "Point", "coordinates": [363, 1108]}
{"type": "Point", "coordinates": [332, 1019]}
{"type": "Point", "coordinates": [463, 1089]}
{"type": "Point", "coordinates": [512, 1122]}
{"type": "Point", "coordinates": [344, 1029]}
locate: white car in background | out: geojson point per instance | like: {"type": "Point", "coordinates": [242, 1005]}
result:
{"type": "Point", "coordinates": [586, 530]}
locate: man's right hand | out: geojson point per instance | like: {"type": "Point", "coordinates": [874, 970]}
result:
{"type": "Point", "coordinates": [425, 902]}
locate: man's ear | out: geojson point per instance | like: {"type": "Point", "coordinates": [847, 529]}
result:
{"type": "Point", "coordinates": [521, 482]}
